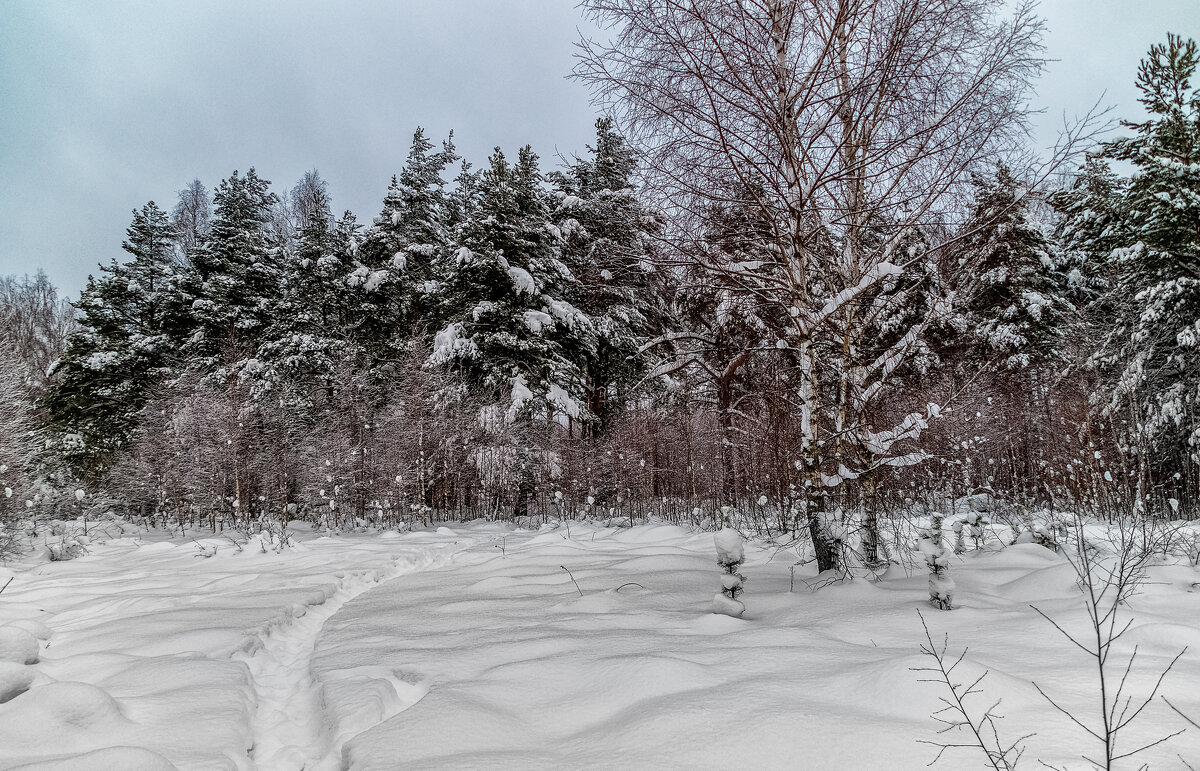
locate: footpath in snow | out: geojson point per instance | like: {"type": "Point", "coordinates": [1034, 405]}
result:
{"type": "Point", "coordinates": [574, 647]}
{"type": "Point", "coordinates": [153, 656]}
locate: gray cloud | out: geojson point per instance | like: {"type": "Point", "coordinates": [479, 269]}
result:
{"type": "Point", "coordinates": [104, 106]}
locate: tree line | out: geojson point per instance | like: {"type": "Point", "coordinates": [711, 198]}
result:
{"type": "Point", "coordinates": [829, 293]}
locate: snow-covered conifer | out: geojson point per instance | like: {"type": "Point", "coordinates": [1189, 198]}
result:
{"type": "Point", "coordinates": [133, 318]}
{"type": "Point", "coordinates": [1014, 296]}
{"type": "Point", "coordinates": [401, 247]}
{"type": "Point", "coordinates": [1160, 349]}
{"type": "Point", "coordinates": [506, 322]}
{"type": "Point", "coordinates": [972, 525]}
{"type": "Point", "coordinates": [606, 245]}
{"type": "Point", "coordinates": [937, 559]}
{"type": "Point", "coordinates": [731, 553]}
{"type": "Point", "coordinates": [236, 277]}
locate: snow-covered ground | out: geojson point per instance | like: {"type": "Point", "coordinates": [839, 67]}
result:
{"type": "Point", "coordinates": [576, 646]}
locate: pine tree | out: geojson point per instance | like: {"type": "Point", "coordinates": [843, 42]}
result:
{"type": "Point", "coordinates": [132, 320]}
{"type": "Point", "coordinates": [236, 277]}
{"type": "Point", "coordinates": [1160, 268]}
{"type": "Point", "coordinates": [606, 233]}
{"type": "Point", "coordinates": [1014, 298]}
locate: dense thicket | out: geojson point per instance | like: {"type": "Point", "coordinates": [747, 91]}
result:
{"type": "Point", "coordinates": [509, 342]}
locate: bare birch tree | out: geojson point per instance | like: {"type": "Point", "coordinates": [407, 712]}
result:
{"type": "Point", "coordinates": [849, 124]}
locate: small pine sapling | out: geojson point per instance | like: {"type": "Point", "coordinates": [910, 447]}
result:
{"type": "Point", "coordinates": [730, 556]}
{"type": "Point", "coordinates": [941, 585]}
{"type": "Point", "coordinates": [970, 526]}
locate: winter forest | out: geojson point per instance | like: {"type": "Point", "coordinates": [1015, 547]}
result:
{"type": "Point", "coordinates": [811, 289]}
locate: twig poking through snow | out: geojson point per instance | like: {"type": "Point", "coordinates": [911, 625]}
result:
{"type": "Point", "coordinates": [954, 716]}
{"type": "Point", "coordinates": [572, 575]}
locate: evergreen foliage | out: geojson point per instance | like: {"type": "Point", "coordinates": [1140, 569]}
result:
{"type": "Point", "coordinates": [1014, 298]}
{"type": "Point", "coordinates": [235, 278]}
{"type": "Point", "coordinates": [606, 235]}
{"type": "Point", "coordinates": [132, 320]}
{"type": "Point", "coordinates": [1160, 266]}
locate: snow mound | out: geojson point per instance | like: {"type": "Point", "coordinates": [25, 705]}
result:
{"type": "Point", "coordinates": [18, 646]}
{"type": "Point", "coordinates": [727, 606]}
{"type": "Point", "coordinates": [79, 717]}
{"type": "Point", "coordinates": [33, 626]}
{"type": "Point", "coordinates": [15, 679]}
{"type": "Point", "coordinates": [107, 759]}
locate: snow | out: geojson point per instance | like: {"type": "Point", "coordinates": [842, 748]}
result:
{"type": "Point", "coordinates": [730, 546]}
{"type": "Point", "coordinates": [15, 679]}
{"type": "Point", "coordinates": [438, 649]}
{"type": "Point", "coordinates": [560, 398]}
{"type": "Point", "coordinates": [727, 606]}
{"type": "Point", "coordinates": [450, 344]}
{"type": "Point", "coordinates": [123, 758]}
{"type": "Point", "coordinates": [522, 280]}
{"type": "Point", "coordinates": [101, 360]}
{"type": "Point", "coordinates": [521, 396]}
{"type": "Point", "coordinates": [195, 661]}
{"type": "Point", "coordinates": [536, 321]}
{"type": "Point", "coordinates": [18, 646]}
{"type": "Point", "coordinates": [368, 279]}
{"type": "Point", "coordinates": [568, 314]}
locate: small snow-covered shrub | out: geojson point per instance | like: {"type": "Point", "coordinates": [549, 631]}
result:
{"type": "Point", "coordinates": [973, 525]}
{"type": "Point", "coordinates": [15, 679]}
{"type": "Point", "coordinates": [731, 554]}
{"type": "Point", "coordinates": [1045, 528]}
{"type": "Point", "coordinates": [941, 585]}
{"type": "Point", "coordinates": [69, 546]}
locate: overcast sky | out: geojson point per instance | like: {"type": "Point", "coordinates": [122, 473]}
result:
{"type": "Point", "coordinates": [104, 106]}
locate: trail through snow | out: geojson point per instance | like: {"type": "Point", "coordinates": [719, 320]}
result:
{"type": "Point", "coordinates": [575, 646]}
{"type": "Point", "coordinates": [289, 721]}
{"type": "Point", "coordinates": [292, 730]}
{"type": "Point", "coordinates": [157, 655]}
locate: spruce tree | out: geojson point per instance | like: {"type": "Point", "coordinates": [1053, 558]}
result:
{"type": "Point", "coordinates": [1160, 268]}
{"type": "Point", "coordinates": [236, 277]}
{"type": "Point", "coordinates": [606, 245]}
{"type": "Point", "coordinates": [410, 235]}
{"type": "Point", "coordinates": [508, 328]}
{"type": "Point", "coordinates": [133, 318]}
{"type": "Point", "coordinates": [1014, 297]}
{"type": "Point", "coordinates": [309, 319]}
{"type": "Point", "coordinates": [507, 324]}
